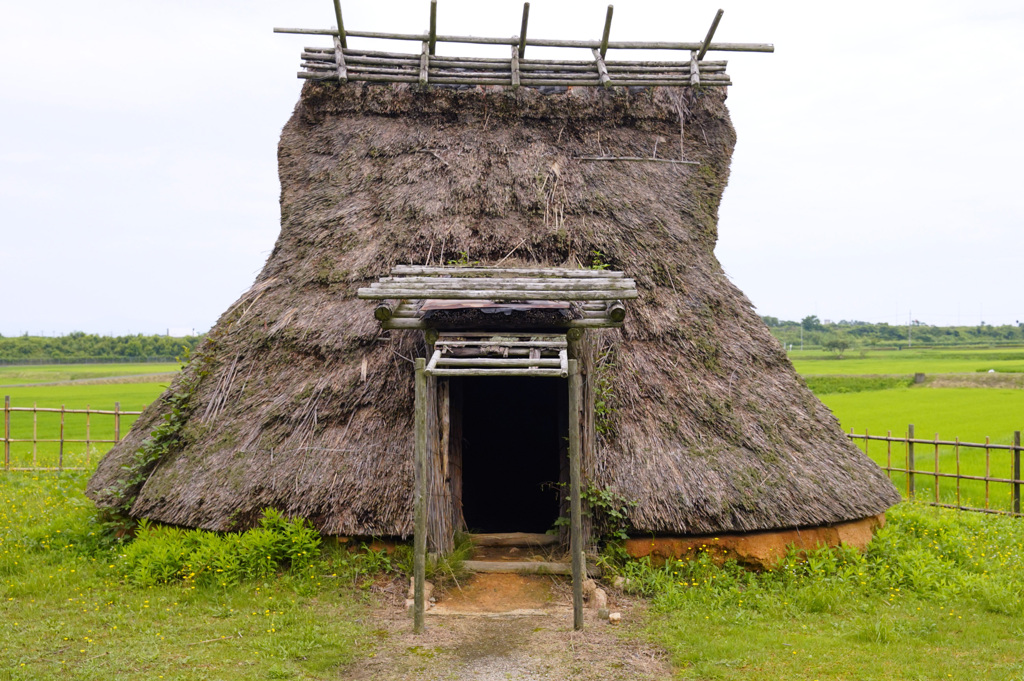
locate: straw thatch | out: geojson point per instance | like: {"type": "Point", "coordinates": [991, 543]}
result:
{"type": "Point", "coordinates": [299, 401]}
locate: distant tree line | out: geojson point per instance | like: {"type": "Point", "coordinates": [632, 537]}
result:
{"type": "Point", "coordinates": [840, 336]}
{"type": "Point", "coordinates": [86, 346]}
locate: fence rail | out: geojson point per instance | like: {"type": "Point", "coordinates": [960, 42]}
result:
{"type": "Point", "coordinates": [968, 466]}
{"type": "Point", "coordinates": [947, 459]}
{"type": "Point", "coordinates": [62, 437]}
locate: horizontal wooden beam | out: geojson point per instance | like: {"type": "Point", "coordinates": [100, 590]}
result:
{"type": "Point", "coordinates": [534, 373]}
{"type": "Point", "coordinates": [496, 295]}
{"type": "Point", "coordinates": [594, 282]}
{"type": "Point", "coordinates": [538, 42]}
{"type": "Point", "coordinates": [507, 285]}
{"type": "Point", "coordinates": [544, 272]}
{"type": "Point", "coordinates": [452, 343]}
{"type": "Point", "coordinates": [525, 567]}
{"type": "Point", "coordinates": [419, 324]}
{"type": "Point", "coordinates": [497, 362]}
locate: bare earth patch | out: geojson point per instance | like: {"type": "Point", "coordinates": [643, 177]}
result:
{"type": "Point", "coordinates": [511, 628]}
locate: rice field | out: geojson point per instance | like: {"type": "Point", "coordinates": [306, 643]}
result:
{"type": "Point", "coordinates": [970, 414]}
{"type": "Point", "coordinates": [46, 426]}
{"type": "Point", "coordinates": [909, 362]}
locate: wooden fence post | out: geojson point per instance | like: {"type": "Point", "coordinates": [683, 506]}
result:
{"type": "Point", "coordinates": [117, 422]}
{"type": "Point", "coordinates": [420, 497]}
{"type": "Point", "coordinates": [1016, 472]}
{"type": "Point", "coordinates": [575, 503]}
{"type": "Point", "coordinates": [60, 457]}
{"type": "Point", "coordinates": [35, 434]}
{"type": "Point", "coordinates": [88, 416]}
{"type": "Point", "coordinates": [910, 460]}
{"type": "Point", "coordinates": [7, 432]}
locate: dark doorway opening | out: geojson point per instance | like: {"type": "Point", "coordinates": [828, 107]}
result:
{"type": "Point", "coordinates": [514, 431]}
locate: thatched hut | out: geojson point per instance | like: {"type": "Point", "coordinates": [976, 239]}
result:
{"type": "Point", "coordinates": [298, 400]}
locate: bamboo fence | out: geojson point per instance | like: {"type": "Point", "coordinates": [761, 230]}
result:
{"type": "Point", "coordinates": [62, 440]}
{"type": "Point", "coordinates": [931, 460]}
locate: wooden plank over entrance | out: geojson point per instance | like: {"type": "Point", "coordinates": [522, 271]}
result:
{"type": "Point", "coordinates": [420, 297]}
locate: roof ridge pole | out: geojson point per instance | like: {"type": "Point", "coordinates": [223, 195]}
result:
{"type": "Point", "coordinates": [341, 24]}
{"type": "Point", "coordinates": [607, 30]}
{"type": "Point", "coordinates": [711, 34]}
{"type": "Point", "coordinates": [522, 30]}
{"type": "Point", "coordinates": [433, 26]}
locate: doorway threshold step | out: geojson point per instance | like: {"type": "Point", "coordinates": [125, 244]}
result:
{"type": "Point", "coordinates": [526, 567]}
{"type": "Point", "coordinates": [514, 539]}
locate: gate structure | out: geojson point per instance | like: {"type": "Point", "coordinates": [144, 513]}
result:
{"type": "Point", "coordinates": [493, 322]}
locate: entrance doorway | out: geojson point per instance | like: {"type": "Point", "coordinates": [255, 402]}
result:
{"type": "Point", "coordinates": [514, 442]}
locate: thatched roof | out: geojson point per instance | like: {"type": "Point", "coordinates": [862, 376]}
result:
{"type": "Point", "coordinates": [712, 430]}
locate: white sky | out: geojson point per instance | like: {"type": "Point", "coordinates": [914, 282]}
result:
{"type": "Point", "coordinates": [878, 172]}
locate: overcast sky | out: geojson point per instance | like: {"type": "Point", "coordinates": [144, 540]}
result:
{"type": "Point", "coordinates": [878, 173]}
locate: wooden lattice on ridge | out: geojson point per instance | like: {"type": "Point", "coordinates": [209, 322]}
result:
{"type": "Point", "coordinates": [342, 63]}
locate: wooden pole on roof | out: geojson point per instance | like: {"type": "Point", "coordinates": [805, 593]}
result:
{"type": "Point", "coordinates": [575, 503]}
{"type": "Point", "coordinates": [607, 30]}
{"type": "Point", "coordinates": [420, 498]}
{"type": "Point", "coordinates": [341, 24]}
{"type": "Point", "coordinates": [433, 26]}
{"type": "Point", "coordinates": [710, 35]}
{"type": "Point", "coordinates": [522, 30]}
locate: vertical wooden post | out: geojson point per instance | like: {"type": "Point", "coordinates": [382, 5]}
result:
{"type": "Point", "coordinates": [1016, 471]}
{"type": "Point", "coordinates": [35, 433]}
{"type": "Point", "coordinates": [522, 29]}
{"type": "Point", "coordinates": [60, 457]}
{"type": "Point", "coordinates": [910, 461]}
{"type": "Point", "coordinates": [7, 432]}
{"type": "Point", "coordinates": [607, 31]}
{"type": "Point", "coordinates": [420, 497]}
{"type": "Point", "coordinates": [88, 415]}
{"type": "Point", "coordinates": [433, 26]}
{"type": "Point", "coordinates": [117, 422]}
{"type": "Point", "coordinates": [341, 24]}
{"type": "Point", "coordinates": [575, 503]}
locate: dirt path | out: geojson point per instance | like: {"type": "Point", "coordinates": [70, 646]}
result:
{"type": "Point", "coordinates": [509, 628]}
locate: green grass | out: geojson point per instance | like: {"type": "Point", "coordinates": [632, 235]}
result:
{"type": "Point", "coordinates": [903, 362]}
{"type": "Point", "coordinates": [72, 604]}
{"type": "Point", "coordinates": [938, 595]}
{"type": "Point", "coordinates": [52, 373]}
{"type": "Point", "coordinates": [132, 397]}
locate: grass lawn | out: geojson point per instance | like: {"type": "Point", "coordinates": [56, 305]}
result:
{"type": "Point", "coordinates": [902, 362]}
{"type": "Point", "coordinates": [938, 595]}
{"type": "Point", "coordinates": [52, 373]}
{"type": "Point", "coordinates": [70, 610]}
